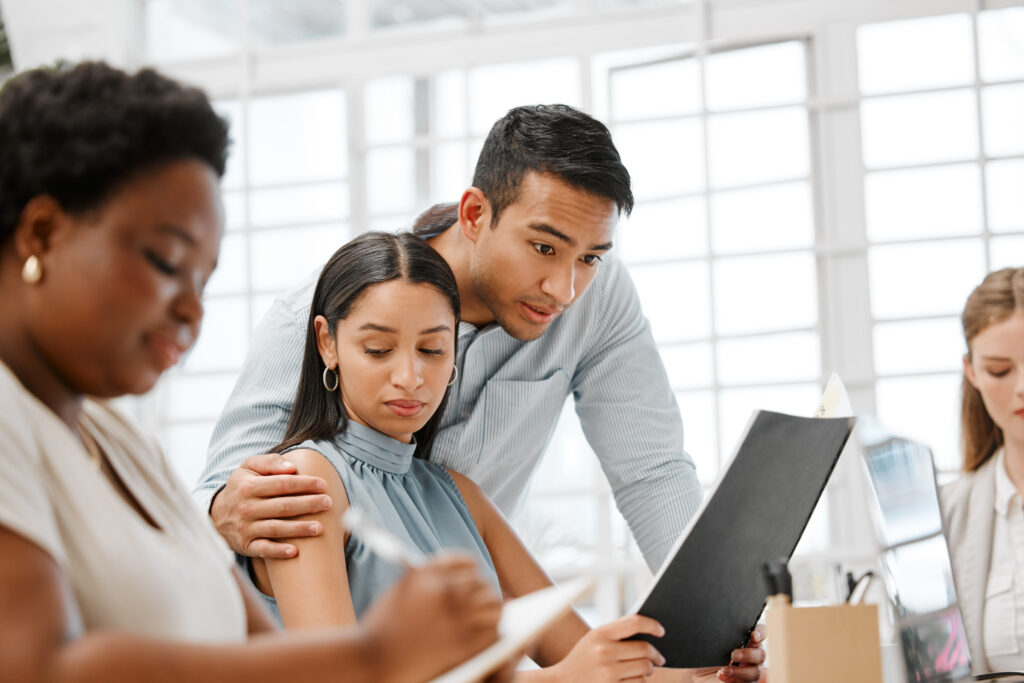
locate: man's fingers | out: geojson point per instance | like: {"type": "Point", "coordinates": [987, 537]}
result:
{"type": "Point", "coordinates": [285, 485]}
{"type": "Point", "coordinates": [748, 655]}
{"type": "Point", "coordinates": [273, 529]}
{"type": "Point", "coordinates": [271, 509]}
{"type": "Point", "coordinates": [740, 673]}
{"type": "Point", "coordinates": [271, 550]}
{"type": "Point", "coordinates": [269, 463]}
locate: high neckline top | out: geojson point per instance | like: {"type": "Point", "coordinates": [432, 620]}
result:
{"type": "Point", "coordinates": [375, 449]}
{"type": "Point", "coordinates": [414, 499]}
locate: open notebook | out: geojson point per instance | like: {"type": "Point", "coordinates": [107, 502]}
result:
{"type": "Point", "coordinates": [522, 621]}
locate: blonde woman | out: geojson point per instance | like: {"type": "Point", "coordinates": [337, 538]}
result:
{"type": "Point", "coordinates": [984, 507]}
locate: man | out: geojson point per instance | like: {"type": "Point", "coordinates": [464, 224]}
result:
{"type": "Point", "coordinates": [546, 311]}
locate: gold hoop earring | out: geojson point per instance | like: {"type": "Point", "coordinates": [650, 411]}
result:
{"type": "Point", "coordinates": [32, 271]}
{"type": "Point", "coordinates": [328, 387]}
{"type": "Point", "coordinates": [455, 375]}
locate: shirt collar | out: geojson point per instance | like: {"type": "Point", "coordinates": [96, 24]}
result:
{"type": "Point", "coordinates": [1006, 492]}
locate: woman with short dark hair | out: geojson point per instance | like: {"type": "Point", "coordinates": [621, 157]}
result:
{"type": "Point", "coordinates": [110, 226]}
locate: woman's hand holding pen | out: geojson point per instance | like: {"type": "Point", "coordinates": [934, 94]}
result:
{"type": "Point", "coordinates": [448, 613]}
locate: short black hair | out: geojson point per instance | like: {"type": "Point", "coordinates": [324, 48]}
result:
{"type": "Point", "coordinates": [78, 133]}
{"type": "Point", "coordinates": [555, 139]}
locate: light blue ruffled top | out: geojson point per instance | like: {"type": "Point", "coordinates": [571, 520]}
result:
{"type": "Point", "coordinates": [416, 500]}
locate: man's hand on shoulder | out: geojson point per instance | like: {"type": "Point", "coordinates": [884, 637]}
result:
{"type": "Point", "coordinates": [258, 505]}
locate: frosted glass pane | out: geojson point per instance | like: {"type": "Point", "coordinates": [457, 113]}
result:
{"type": "Point", "coordinates": [774, 217]}
{"type": "Point", "coordinates": [925, 202]}
{"type": "Point", "coordinates": [760, 146]}
{"type": "Point", "coordinates": [291, 205]}
{"type": "Point", "coordinates": [737, 405]}
{"type": "Point", "coordinates": [1003, 116]}
{"type": "Point", "coordinates": [451, 172]}
{"type": "Point", "coordinates": [450, 103]}
{"type": "Point", "coordinates": [234, 209]}
{"type": "Point", "coordinates": [663, 89]}
{"type": "Point", "coordinates": [658, 231]}
{"type": "Point", "coordinates": [663, 158]}
{"type": "Point", "coordinates": [475, 145]}
{"type": "Point", "coordinates": [699, 438]}
{"type": "Point", "coordinates": [391, 180]}
{"type": "Point", "coordinates": [568, 461]}
{"type": "Point", "coordinates": [178, 31]}
{"type": "Point", "coordinates": [229, 277]}
{"type": "Point", "coordinates": [233, 173]}
{"type": "Point", "coordinates": [918, 346]}
{"type": "Point", "coordinates": [298, 138]}
{"type": "Point", "coordinates": [185, 446]}
{"type": "Point", "coordinates": [1001, 43]}
{"type": "Point", "coordinates": [688, 365]}
{"type": "Point", "coordinates": [190, 397]}
{"type": "Point", "coordinates": [283, 258]}
{"type": "Point", "coordinates": [221, 344]}
{"type": "Point", "coordinates": [765, 293]}
{"type": "Point", "coordinates": [925, 409]}
{"type": "Point", "coordinates": [559, 530]}
{"type": "Point", "coordinates": [914, 129]}
{"type": "Point", "coordinates": [1006, 252]}
{"type": "Point", "coordinates": [272, 22]}
{"type": "Point", "coordinates": [1005, 191]}
{"type": "Point", "coordinates": [390, 109]}
{"type": "Point", "coordinates": [915, 54]}
{"type": "Point", "coordinates": [675, 299]}
{"type": "Point", "coordinates": [932, 278]}
{"type": "Point", "coordinates": [772, 358]}
{"type": "Point", "coordinates": [498, 88]}
{"type": "Point", "coordinates": [757, 76]}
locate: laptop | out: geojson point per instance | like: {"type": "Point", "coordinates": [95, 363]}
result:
{"type": "Point", "coordinates": [915, 562]}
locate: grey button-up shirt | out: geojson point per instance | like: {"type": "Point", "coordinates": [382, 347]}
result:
{"type": "Point", "coordinates": [505, 405]}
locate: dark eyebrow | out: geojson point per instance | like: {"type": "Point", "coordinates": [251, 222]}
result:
{"type": "Point", "coordinates": [378, 328]}
{"type": "Point", "coordinates": [547, 229]}
{"type": "Point", "coordinates": [438, 328]}
{"type": "Point", "coordinates": [181, 233]}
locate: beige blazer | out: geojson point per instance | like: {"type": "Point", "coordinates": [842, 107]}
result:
{"type": "Point", "coordinates": [969, 517]}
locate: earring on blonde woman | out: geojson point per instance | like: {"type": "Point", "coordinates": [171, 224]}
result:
{"type": "Point", "coordinates": [455, 375]}
{"type": "Point", "coordinates": [330, 371]}
{"type": "Point", "coordinates": [32, 271]}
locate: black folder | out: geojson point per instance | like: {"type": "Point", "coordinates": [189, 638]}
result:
{"type": "Point", "coordinates": [711, 589]}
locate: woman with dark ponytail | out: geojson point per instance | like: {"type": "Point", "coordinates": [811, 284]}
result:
{"type": "Point", "coordinates": [378, 365]}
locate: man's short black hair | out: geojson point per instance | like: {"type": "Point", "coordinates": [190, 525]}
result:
{"type": "Point", "coordinates": [77, 134]}
{"type": "Point", "coordinates": [555, 139]}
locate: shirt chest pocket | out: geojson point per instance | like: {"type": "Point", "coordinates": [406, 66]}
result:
{"type": "Point", "coordinates": [1000, 616]}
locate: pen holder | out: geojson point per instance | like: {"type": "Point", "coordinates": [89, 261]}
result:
{"type": "Point", "coordinates": [838, 644]}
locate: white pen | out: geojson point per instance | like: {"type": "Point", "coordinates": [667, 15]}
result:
{"type": "Point", "coordinates": [380, 540]}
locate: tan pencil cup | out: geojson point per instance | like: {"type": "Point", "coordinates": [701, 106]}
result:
{"type": "Point", "coordinates": [838, 644]}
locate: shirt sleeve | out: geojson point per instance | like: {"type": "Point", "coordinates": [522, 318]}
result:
{"type": "Point", "coordinates": [630, 417]}
{"type": "Point", "coordinates": [256, 414]}
{"type": "Point", "coordinates": [25, 506]}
